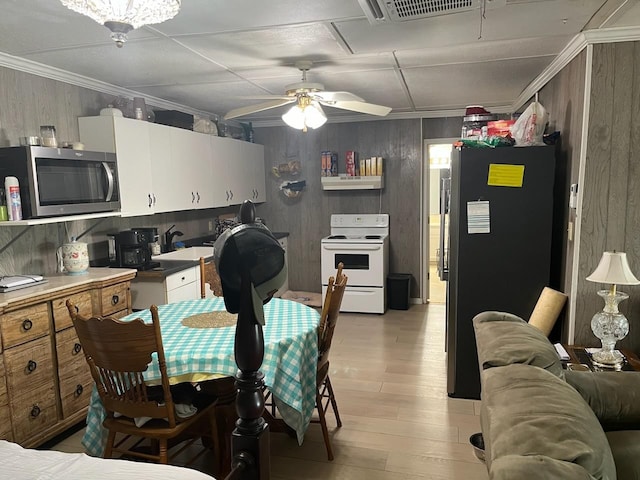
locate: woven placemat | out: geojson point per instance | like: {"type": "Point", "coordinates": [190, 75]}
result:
{"type": "Point", "coordinates": [211, 320]}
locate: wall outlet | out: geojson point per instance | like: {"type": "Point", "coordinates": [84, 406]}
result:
{"type": "Point", "coordinates": [211, 225]}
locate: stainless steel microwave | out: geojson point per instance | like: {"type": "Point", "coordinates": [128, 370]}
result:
{"type": "Point", "coordinates": [61, 181]}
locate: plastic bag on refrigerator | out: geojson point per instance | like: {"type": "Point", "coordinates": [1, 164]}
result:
{"type": "Point", "coordinates": [529, 127]}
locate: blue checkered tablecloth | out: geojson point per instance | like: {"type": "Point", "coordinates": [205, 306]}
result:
{"type": "Point", "coordinates": [289, 366]}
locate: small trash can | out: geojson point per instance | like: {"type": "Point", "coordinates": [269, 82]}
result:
{"type": "Point", "coordinates": [398, 288]}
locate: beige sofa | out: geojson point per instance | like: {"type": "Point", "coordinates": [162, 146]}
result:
{"type": "Point", "coordinates": [542, 422]}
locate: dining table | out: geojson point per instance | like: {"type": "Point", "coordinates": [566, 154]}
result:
{"type": "Point", "coordinates": [198, 339]}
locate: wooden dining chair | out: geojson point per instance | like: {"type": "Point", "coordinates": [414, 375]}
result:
{"type": "Point", "coordinates": [209, 275]}
{"type": "Point", "coordinates": [328, 319]}
{"type": "Point", "coordinates": [118, 354]}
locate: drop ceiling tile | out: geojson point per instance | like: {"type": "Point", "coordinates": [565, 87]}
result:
{"type": "Point", "coordinates": [267, 47]}
{"type": "Point", "coordinates": [522, 20]}
{"type": "Point", "coordinates": [207, 16]}
{"type": "Point", "coordinates": [488, 83]}
{"type": "Point", "coordinates": [483, 51]}
{"type": "Point", "coordinates": [43, 25]}
{"type": "Point", "coordinates": [147, 62]}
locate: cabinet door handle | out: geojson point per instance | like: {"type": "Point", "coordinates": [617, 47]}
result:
{"type": "Point", "coordinates": [78, 391]}
{"type": "Point", "coordinates": [77, 348]}
{"type": "Point", "coordinates": [115, 299]}
{"type": "Point", "coordinates": [198, 197]}
{"type": "Point", "coordinates": [154, 199]}
{"type": "Point", "coordinates": [31, 366]}
{"type": "Point", "coordinates": [231, 192]}
{"type": "Point", "coordinates": [193, 197]}
{"type": "Point", "coordinates": [227, 192]}
{"type": "Point", "coordinates": [35, 411]}
{"type": "Point", "coordinates": [150, 201]}
{"type": "Point", "coordinates": [26, 325]}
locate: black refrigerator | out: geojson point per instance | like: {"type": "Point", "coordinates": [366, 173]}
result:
{"type": "Point", "coordinates": [499, 253]}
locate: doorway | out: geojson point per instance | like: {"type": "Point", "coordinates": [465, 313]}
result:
{"type": "Point", "coordinates": [437, 164]}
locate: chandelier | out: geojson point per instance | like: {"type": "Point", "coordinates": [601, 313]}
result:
{"type": "Point", "coordinates": [122, 16]}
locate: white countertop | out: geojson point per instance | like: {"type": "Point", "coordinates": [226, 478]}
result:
{"type": "Point", "coordinates": [61, 281]}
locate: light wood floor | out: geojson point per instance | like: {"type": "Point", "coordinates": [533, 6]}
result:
{"type": "Point", "coordinates": [388, 372]}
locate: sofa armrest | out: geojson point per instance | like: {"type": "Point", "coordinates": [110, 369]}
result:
{"type": "Point", "coordinates": [613, 396]}
{"type": "Point", "coordinates": [505, 339]}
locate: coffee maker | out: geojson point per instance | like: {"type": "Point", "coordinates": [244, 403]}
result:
{"type": "Point", "coordinates": [130, 248]}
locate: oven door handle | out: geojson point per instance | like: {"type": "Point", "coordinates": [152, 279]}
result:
{"type": "Point", "coordinates": [109, 175]}
{"type": "Point", "coordinates": [353, 247]}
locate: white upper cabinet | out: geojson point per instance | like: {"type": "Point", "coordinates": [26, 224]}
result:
{"type": "Point", "coordinates": [129, 140]}
{"type": "Point", "coordinates": [191, 155]}
{"type": "Point", "coordinates": [166, 169]}
{"type": "Point", "coordinates": [165, 191]}
{"type": "Point", "coordinates": [239, 169]}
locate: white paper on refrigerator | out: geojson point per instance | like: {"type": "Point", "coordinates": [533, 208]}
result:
{"type": "Point", "coordinates": [478, 217]}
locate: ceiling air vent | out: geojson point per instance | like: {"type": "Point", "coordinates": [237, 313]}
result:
{"type": "Point", "coordinates": [404, 10]}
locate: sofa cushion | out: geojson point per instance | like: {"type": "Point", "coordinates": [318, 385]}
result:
{"type": "Point", "coordinates": [613, 396]}
{"type": "Point", "coordinates": [625, 446]}
{"type": "Point", "coordinates": [536, 467]}
{"type": "Point", "coordinates": [504, 339]}
{"type": "Point", "coordinates": [527, 411]}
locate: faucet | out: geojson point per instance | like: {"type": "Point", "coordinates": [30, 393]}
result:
{"type": "Point", "coordinates": [168, 237]}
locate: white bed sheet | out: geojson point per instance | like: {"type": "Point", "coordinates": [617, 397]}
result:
{"type": "Point", "coordinates": [17, 463]}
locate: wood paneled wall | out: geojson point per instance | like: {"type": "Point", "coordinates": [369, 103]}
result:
{"type": "Point", "coordinates": [563, 98]}
{"type": "Point", "coordinates": [610, 218]}
{"type": "Point", "coordinates": [307, 218]}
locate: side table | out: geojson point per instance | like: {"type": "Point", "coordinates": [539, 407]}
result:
{"type": "Point", "coordinates": [579, 356]}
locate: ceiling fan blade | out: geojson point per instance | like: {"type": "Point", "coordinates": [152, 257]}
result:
{"type": "Point", "coordinates": [362, 107]}
{"type": "Point", "coordinates": [239, 112]}
{"type": "Point", "coordinates": [264, 97]}
{"type": "Point", "coordinates": [337, 97]}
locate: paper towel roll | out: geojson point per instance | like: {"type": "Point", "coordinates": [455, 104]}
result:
{"type": "Point", "coordinates": [547, 309]}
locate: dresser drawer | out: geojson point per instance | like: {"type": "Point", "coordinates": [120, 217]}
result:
{"type": "Point", "coordinates": [180, 279]}
{"type": "Point", "coordinates": [3, 380]}
{"type": "Point", "coordinates": [5, 419]}
{"type": "Point", "coordinates": [33, 412]}
{"type": "Point", "coordinates": [29, 367]}
{"type": "Point", "coordinates": [24, 325]}
{"type": "Point", "coordinates": [69, 350]}
{"type": "Point", "coordinates": [75, 390]}
{"type": "Point", "coordinates": [61, 317]}
{"type": "Point", "coordinates": [114, 298]}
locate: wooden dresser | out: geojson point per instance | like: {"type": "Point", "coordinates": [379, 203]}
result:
{"type": "Point", "coordinates": [45, 382]}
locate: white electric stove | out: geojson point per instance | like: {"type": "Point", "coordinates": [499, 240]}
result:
{"type": "Point", "coordinates": [361, 243]}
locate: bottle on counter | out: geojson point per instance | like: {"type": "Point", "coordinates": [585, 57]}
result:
{"type": "Point", "coordinates": [14, 204]}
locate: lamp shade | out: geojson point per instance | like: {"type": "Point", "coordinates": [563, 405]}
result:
{"type": "Point", "coordinates": [613, 269]}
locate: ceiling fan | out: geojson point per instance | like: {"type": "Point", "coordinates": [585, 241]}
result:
{"type": "Point", "coordinates": [308, 98]}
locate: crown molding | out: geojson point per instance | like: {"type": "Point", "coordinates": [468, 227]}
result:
{"type": "Point", "coordinates": [575, 46]}
{"type": "Point", "coordinates": [54, 73]}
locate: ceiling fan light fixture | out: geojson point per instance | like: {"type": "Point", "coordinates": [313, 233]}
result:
{"type": "Point", "coordinates": [305, 113]}
{"type": "Point", "coordinates": [122, 16]}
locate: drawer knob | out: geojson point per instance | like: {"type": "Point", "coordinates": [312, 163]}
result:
{"type": "Point", "coordinates": [35, 411]}
{"type": "Point", "coordinates": [115, 299]}
{"type": "Point", "coordinates": [78, 391]}
{"type": "Point", "coordinates": [31, 366]}
{"type": "Point", "coordinates": [77, 348]}
{"type": "Point", "coordinates": [27, 324]}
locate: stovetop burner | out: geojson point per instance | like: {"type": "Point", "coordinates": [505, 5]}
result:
{"type": "Point", "coordinates": [337, 237]}
{"type": "Point", "coordinates": [372, 237]}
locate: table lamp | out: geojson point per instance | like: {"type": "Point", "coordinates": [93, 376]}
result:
{"type": "Point", "coordinates": [610, 325]}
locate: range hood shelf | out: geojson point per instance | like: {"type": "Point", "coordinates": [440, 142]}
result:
{"type": "Point", "coordinates": [353, 183]}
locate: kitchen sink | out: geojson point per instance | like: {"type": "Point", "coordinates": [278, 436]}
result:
{"type": "Point", "coordinates": [192, 253]}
